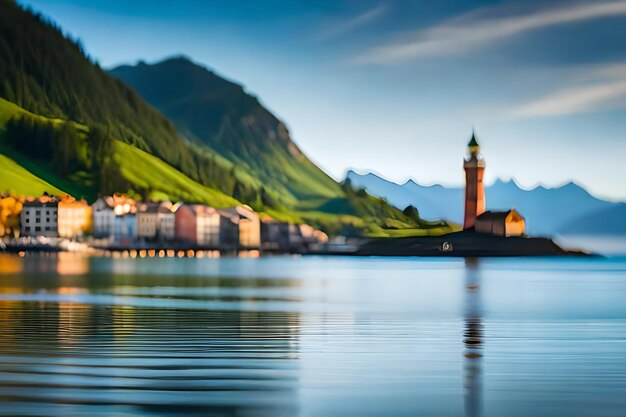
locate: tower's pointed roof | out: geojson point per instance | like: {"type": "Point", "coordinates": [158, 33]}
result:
{"type": "Point", "coordinates": [473, 143]}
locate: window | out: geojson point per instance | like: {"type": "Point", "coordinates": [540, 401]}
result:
{"type": "Point", "coordinates": [27, 220]}
{"type": "Point", "coordinates": [37, 212]}
{"type": "Point", "coordinates": [38, 229]}
{"type": "Point", "coordinates": [27, 228]}
{"type": "Point", "coordinates": [37, 220]}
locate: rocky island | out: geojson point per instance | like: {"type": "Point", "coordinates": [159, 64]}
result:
{"type": "Point", "coordinates": [485, 233]}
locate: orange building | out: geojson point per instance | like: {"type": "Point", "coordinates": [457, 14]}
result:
{"type": "Point", "coordinates": [474, 166]}
{"type": "Point", "coordinates": [501, 223]}
{"type": "Point", "coordinates": [74, 218]}
{"type": "Point", "coordinates": [249, 226]}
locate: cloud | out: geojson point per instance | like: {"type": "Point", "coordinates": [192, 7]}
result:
{"type": "Point", "coordinates": [480, 28]}
{"type": "Point", "coordinates": [601, 88]}
{"type": "Point", "coordinates": [344, 27]}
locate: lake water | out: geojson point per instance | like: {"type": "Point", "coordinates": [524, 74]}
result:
{"type": "Point", "coordinates": [312, 336]}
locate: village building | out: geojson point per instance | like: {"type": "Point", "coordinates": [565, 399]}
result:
{"type": "Point", "coordinates": [74, 218]}
{"type": "Point", "coordinates": [249, 225]}
{"type": "Point", "coordinates": [207, 227]}
{"type": "Point", "coordinates": [167, 220]}
{"type": "Point", "coordinates": [40, 217]}
{"type": "Point", "coordinates": [114, 218]}
{"type": "Point", "coordinates": [229, 230]}
{"type": "Point", "coordinates": [281, 236]}
{"type": "Point", "coordinates": [156, 221]}
{"type": "Point", "coordinates": [501, 223]}
{"type": "Point", "coordinates": [147, 221]}
{"type": "Point", "coordinates": [103, 217]}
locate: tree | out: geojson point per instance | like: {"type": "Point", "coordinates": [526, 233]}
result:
{"type": "Point", "coordinates": [10, 209]}
{"type": "Point", "coordinates": [66, 144]}
{"type": "Point", "coordinates": [412, 213]}
{"type": "Point", "coordinates": [100, 147]}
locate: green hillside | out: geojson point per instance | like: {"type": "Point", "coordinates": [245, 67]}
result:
{"type": "Point", "coordinates": [83, 131]}
{"type": "Point", "coordinates": [145, 173]}
{"type": "Point", "coordinates": [165, 182]}
{"type": "Point", "coordinates": [16, 180]}
{"type": "Point", "coordinates": [220, 114]}
{"type": "Point", "coordinates": [48, 74]}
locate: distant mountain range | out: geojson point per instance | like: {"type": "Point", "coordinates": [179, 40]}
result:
{"type": "Point", "coordinates": [568, 209]}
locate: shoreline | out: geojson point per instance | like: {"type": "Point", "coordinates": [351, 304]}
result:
{"type": "Point", "coordinates": [464, 244]}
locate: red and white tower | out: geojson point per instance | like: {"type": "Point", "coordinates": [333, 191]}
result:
{"type": "Point", "coordinates": [474, 166]}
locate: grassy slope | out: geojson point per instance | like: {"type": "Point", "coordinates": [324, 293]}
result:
{"type": "Point", "coordinates": [23, 176]}
{"type": "Point", "coordinates": [148, 171]}
{"type": "Point", "coordinates": [29, 175]}
{"type": "Point", "coordinates": [48, 73]}
{"type": "Point", "coordinates": [16, 180]}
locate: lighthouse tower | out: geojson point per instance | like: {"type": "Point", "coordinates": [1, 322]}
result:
{"type": "Point", "coordinates": [474, 166]}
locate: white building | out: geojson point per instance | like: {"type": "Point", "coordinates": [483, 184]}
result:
{"type": "Point", "coordinates": [147, 220]}
{"type": "Point", "coordinates": [40, 217]}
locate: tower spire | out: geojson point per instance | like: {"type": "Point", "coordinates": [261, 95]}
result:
{"type": "Point", "coordinates": [473, 143]}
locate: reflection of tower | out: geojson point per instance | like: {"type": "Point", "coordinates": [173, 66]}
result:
{"type": "Point", "coordinates": [474, 167]}
{"type": "Point", "coordinates": [473, 340]}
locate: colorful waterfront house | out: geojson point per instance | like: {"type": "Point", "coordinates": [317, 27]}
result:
{"type": "Point", "coordinates": [501, 223]}
{"type": "Point", "coordinates": [229, 229]}
{"type": "Point", "coordinates": [167, 220]}
{"type": "Point", "coordinates": [125, 220]}
{"type": "Point", "coordinates": [185, 225]}
{"type": "Point", "coordinates": [39, 217]}
{"type": "Point", "coordinates": [281, 236]}
{"type": "Point", "coordinates": [204, 226]}
{"type": "Point", "coordinates": [10, 211]}
{"type": "Point", "coordinates": [249, 226]}
{"type": "Point", "coordinates": [114, 218]}
{"type": "Point", "coordinates": [74, 218]}
{"type": "Point", "coordinates": [103, 217]}
{"type": "Point", "coordinates": [156, 220]}
{"type": "Point", "coordinates": [147, 220]}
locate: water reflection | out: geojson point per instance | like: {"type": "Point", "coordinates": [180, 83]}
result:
{"type": "Point", "coordinates": [473, 341]}
{"type": "Point", "coordinates": [61, 263]}
{"type": "Point", "coordinates": [153, 360]}
{"type": "Point", "coordinates": [10, 264]}
{"type": "Point", "coordinates": [312, 336]}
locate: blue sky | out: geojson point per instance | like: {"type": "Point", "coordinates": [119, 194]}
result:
{"type": "Point", "coordinates": [395, 87]}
